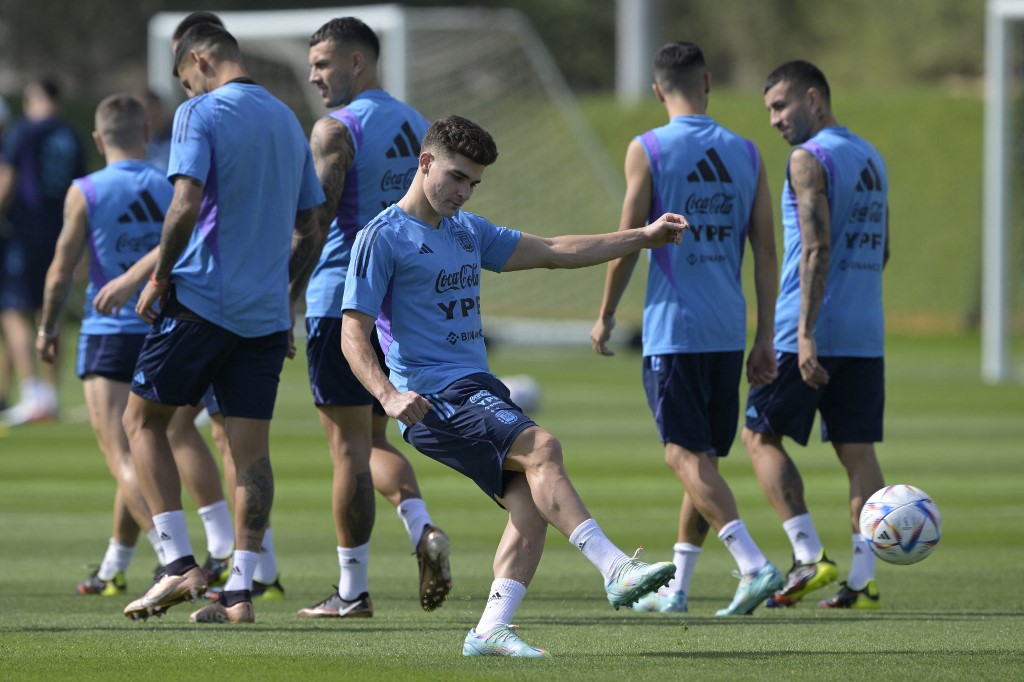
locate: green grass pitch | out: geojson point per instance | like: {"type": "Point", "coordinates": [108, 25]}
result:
{"type": "Point", "coordinates": [957, 615]}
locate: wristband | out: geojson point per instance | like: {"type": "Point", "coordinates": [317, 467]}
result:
{"type": "Point", "coordinates": [155, 282]}
{"type": "Point", "coordinates": [49, 336]}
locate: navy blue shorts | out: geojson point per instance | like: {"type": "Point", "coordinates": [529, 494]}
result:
{"type": "Point", "coordinates": [471, 428]}
{"type": "Point", "coordinates": [23, 272]}
{"type": "Point", "coordinates": [182, 358]}
{"type": "Point", "coordinates": [111, 356]}
{"type": "Point", "coordinates": [330, 378]}
{"type": "Point", "coordinates": [209, 401]}
{"type": "Point", "coordinates": [695, 398]}
{"type": "Point", "coordinates": [851, 403]}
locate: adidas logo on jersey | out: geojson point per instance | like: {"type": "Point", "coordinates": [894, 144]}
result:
{"type": "Point", "coordinates": [142, 210]}
{"type": "Point", "coordinates": [870, 180]}
{"type": "Point", "coordinates": [139, 378]}
{"type": "Point", "coordinates": [425, 249]}
{"type": "Point", "coordinates": [715, 171]}
{"type": "Point", "coordinates": [405, 144]}
{"type": "Point", "coordinates": [752, 412]}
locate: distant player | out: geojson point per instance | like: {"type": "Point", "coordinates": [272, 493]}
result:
{"type": "Point", "coordinates": [416, 275]}
{"type": "Point", "coordinates": [695, 316]}
{"type": "Point", "coordinates": [41, 155]}
{"type": "Point", "coordinates": [829, 328]}
{"type": "Point", "coordinates": [116, 215]}
{"type": "Point", "coordinates": [238, 235]}
{"type": "Point", "coordinates": [365, 154]}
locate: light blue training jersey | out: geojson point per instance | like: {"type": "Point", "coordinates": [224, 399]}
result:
{"type": "Point", "coordinates": [851, 320]}
{"type": "Point", "coordinates": [250, 153]}
{"type": "Point", "coordinates": [422, 284]}
{"type": "Point", "coordinates": [386, 134]}
{"type": "Point", "coordinates": [125, 205]}
{"type": "Point", "coordinates": [709, 174]}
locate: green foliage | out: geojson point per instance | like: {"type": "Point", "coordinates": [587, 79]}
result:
{"type": "Point", "coordinates": [954, 616]}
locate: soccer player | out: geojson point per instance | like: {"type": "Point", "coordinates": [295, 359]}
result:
{"type": "Point", "coordinates": [365, 153]}
{"type": "Point", "coordinates": [695, 317]}
{"type": "Point", "coordinates": [416, 274]}
{"type": "Point", "coordinates": [238, 236]}
{"type": "Point", "coordinates": [117, 214]}
{"type": "Point", "coordinates": [41, 155]}
{"type": "Point", "coordinates": [829, 328]}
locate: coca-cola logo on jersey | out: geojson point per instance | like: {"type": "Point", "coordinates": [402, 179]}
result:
{"type": "Point", "coordinates": [465, 277]}
{"type": "Point", "coordinates": [719, 203]}
{"type": "Point", "coordinates": [136, 243]}
{"type": "Point", "coordinates": [397, 181]}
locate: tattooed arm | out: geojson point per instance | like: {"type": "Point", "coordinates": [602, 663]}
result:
{"type": "Point", "coordinates": [810, 185]}
{"type": "Point", "coordinates": [178, 226]}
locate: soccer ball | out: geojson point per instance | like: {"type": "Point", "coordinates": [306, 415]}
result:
{"type": "Point", "coordinates": [525, 392]}
{"type": "Point", "coordinates": [901, 524]}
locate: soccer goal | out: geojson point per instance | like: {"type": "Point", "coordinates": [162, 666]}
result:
{"type": "Point", "coordinates": [1003, 211]}
{"type": "Point", "coordinates": [552, 176]}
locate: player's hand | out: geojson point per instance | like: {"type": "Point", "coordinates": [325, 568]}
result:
{"type": "Point", "coordinates": [668, 229]}
{"type": "Point", "coordinates": [406, 408]}
{"type": "Point", "coordinates": [48, 347]}
{"type": "Point", "coordinates": [762, 367]}
{"type": "Point", "coordinates": [151, 294]}
{"type": "Point", "coordinates": [811, 371]}
{"type": "Point", "coordinates": [113, 295]}
{"type": "Point", "coordinates": [600, 334]}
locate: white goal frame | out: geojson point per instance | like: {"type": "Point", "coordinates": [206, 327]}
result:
{"type": "Point", "coordinates": [996, 362]}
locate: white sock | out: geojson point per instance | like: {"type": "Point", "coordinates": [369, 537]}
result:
{"type": "Point", "coordinates": [116, 559]}
{"type": "Point", "coordinates": [173, 535]}
{"type": "Point", "coordinates": [744, 550]}
{"type": "Point", "coordinates": [415, 516]}
{"type": "Point", "coordinates": [243, 565]}
{"type": "Point", "coordinates": [220, 531]}
{"type": "Point", "coordinates": [862, 569]}
{"type": "Point", "coordinates": [806, 545]}
{"type": "Point", "coordinates": [606, 557]}
{"type": "Point", "coordinates": [502, 602]}
{"type": "Point", "coordinates": [266, 567]}
{"type": "Point", "coordinates": [355, 578]}
{"type": "Point", "coordinates": [153, 535]}
{"type": "Point", "coordinates": [684, 556]}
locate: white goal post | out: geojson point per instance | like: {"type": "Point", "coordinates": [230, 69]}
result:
{"type": "Point", "coordinates": [996, 360]}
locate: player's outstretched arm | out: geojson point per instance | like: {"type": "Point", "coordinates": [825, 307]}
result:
{"type": "Point", "coordinates": [579, 251]}
{"type": "Point", "coordinates": [59, 276]}
{"type": "Point", "coordinates": [408, 407]}
{"type": "Point", "coordinates": [636, 208]}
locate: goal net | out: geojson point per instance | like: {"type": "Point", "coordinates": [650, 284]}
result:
{"type": "Point", "coordinates": [552, 177]}
{"type": "Point", "coordinates": [1003, 208]}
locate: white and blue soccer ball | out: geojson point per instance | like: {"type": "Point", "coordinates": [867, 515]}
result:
{"type": "Point", "coordinates": [524, 390]}
{"type": "Point", "coordinates": [901, 524]}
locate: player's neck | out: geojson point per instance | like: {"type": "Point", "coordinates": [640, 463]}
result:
{"type": "Point", "coordinates": [115, 154]}
{"type": "Point", "coordinates": [419, 207]}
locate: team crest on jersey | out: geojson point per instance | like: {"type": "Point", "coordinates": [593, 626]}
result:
{"type": "Point", "coordinates": [464, 241]}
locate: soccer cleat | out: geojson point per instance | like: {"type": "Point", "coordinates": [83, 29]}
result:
{"type": "Point", "coordinates": [105, 588]}
{"type": "Point", "coordinates": [166, 592]}
{"type": "Point", "coordinates": [267, 591]}
{"type": "Point", "coordinates": [849, 598]}
{"type": "Point", "coordinates": [336, 607]}
{"type": "Point", "coordinates": [753, 589]}
{"type": "Point", "coordinates": [501, 640]}
{"type": "Point", "coordinates": [218, 612]}
{"type": "Point", "coordinates": [432, 554]}
{"type": "Point", "coordinates": [802, 579]}
{"type": "Point", "coordinates": [217, 570]}
{"type": "Point", "coordinates": [634, 579]}
{"type": "Point", "coordinates": [662, 601]}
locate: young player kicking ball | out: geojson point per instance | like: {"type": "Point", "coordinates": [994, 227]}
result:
{"type": "Point", "coordinates": [415, 273]}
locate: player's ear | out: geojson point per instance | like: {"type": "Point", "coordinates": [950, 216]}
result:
{"type": "Point", "coordinates": [426, 158]}
{"type": "Point", "coordinates": [358, 63]}
{"type": "Point", "coordinates": [658, 92]}
{"type": "Point", "coordinates": [98, 140]}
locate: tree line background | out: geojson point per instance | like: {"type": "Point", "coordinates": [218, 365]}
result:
{"type": "Point", "coordinates": [99, 46]}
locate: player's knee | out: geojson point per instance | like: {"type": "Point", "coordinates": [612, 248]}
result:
{"type": "Point", "coordinates": [547, 449]}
